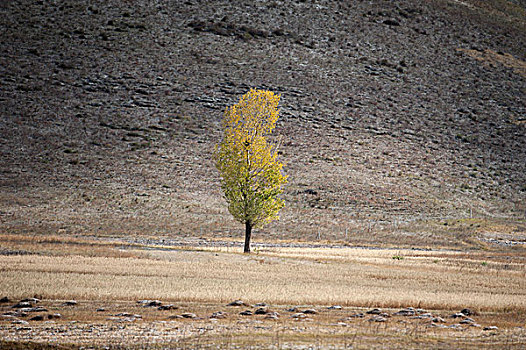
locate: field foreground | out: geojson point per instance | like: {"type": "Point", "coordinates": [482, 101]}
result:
{"type": "Point", "coordinates": [293, 297]}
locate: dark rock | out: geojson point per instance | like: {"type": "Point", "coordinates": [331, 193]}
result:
{"type": "Point", "coordinates": [458, 315]}
{"type": "Point", "coordinates": [246, 313]}
{"type": "Point", "coordinates": [374, 312]}
{"type": "Point", "coordinates": [152, 303]}
{"type": "Point", "coordinates": [168, 307]}
{"type": "Point", "coordinates": [54, 316]}
{"type": "Point", "coordinates": [189, 315]}
{"type": "Point", "coordinates": [334, 307]}
{"type": "Point", "coordinates": [467, 321]}
{"type": "Point", "coordinates": [404, 312]}
{"type": "Point", "coordinates": [37, 318]}
{"type": "Point", "coordinates": [391, 22]}
{"type": "Point", "coordinates": [22, 304]}
{"type": "Point", "coordinates": [237, 303]}
{"type": "Point", "coordinates": [467, 312]}
{"type": "Point", "coordinates": [310, 311]}
{"type": "Point", "coordinates": [100, 309]}
{"type": "Point", "coordinates": [36, 309]}
{"type": "Point", "coordinates": [70, 303]}
{"type": "Point", "coordinates": [261, 311]}
{"type": "Point", "coordinates": [490, 328]}
{"type": "Point", "coordinates": [4, 300]}
{"type": "Point", "coordinates": [299, 315]}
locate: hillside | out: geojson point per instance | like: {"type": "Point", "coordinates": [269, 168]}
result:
{"type": "Point", "coordinates": [399, 119]}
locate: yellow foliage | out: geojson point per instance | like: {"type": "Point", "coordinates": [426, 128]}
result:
{"type": "Point", "coordinates": [251, 174]}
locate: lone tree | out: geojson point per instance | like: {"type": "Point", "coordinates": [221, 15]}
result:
{"type": "Point", "coordinates": [251, 177]}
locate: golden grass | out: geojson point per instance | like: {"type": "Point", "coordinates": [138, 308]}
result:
{"type": "Point", "coordinates": [358, 277]}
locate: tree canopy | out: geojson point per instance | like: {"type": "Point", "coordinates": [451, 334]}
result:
{"type": "Point", "coordinates": [247, 160]}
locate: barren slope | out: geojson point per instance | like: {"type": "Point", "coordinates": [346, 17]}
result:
{"type": "Point", "coordinates": [391, 112]}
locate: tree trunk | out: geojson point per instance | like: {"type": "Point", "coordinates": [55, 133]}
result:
{"type": "Point", "coordinates": [248, 233]}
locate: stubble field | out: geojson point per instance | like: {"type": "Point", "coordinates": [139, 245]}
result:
{"type": "Point", "coordinates": [107, 278]}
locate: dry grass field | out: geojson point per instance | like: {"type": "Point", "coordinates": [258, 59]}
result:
{"type": "Point", "coordinates": [203, 280]}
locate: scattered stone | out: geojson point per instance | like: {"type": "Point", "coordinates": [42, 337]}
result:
{"type": "Point", "coordinates": [438, 320]}
{"type": "Point", "coordinates": [37, 318]}
{"type": "Point", "coordinates": [467, 320]}
{"type": "Point", "coordinates": [261, 305]}
{"type": "Point", "coordinates": [70, 303]}
{"type": "Point", "coordinates": [292, 309]}
{"type": "Point", "coordinates": [175, 317]}
{"type": "Point", "coordinates": [357, 315]}
{"type": "Point", "coordinates": [334, 307]}
{"type": "Point", "coordinates": [100, 309]}
{"type": "Point", "coordinates": [189, 315]}
{"type": "Point", "coordinates": [374, 312]}
{"type": "Point", "coordinates": [219, 314]}
{"type": "Point", "coordinates": [467, 312]}
{"type": "Point", "coordinates": [30, 300]}
{"type": "Point", "coordinates": [4, 300]}
{"type": "Point", "coordinates": [20, 322]}
{"type": "Point", "coordinates": [22, 304]}
{"type": "Point", "coordinates": [35, 309]}
{"type": "Point", "coordinates": [7, 317]}
{"type": "Point", "coordinates": [457, 315]}
{"type": "Point", "coordinates": [246, 313]}
{"type": "Point", "coordinates": [490, 328]}
{"type": "Point", "coordinates": [168, 307]}
{"type": "Point", "coordinates": [54, 316]}
{"type": "Point", "coordinates": [404, 312]}
{"type": "Point", "coordinates": [299, 315]}
{"type": "Point", "coordinates": [261, 311]}
{"type": "Point", "coordinates": [378, 318]}
{"type": "Point", "coordinates": [310, 311]}
{"type": "Point", "coordinates": [272, 315]}
{"type": "Point", "coordinates": [237, 303]}
{"type": "Point", "coordinates": [153, 303]}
